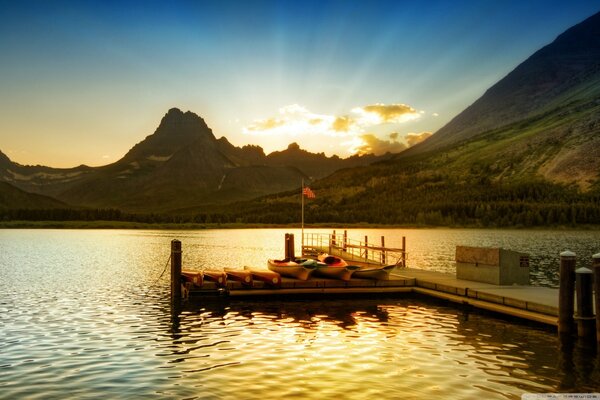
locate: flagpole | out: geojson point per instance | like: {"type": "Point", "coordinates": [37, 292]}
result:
{"type": "Point", "coordinates": [302, 195]}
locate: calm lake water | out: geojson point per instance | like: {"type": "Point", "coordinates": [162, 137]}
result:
{"type": "Point", "coordinates": [86, 314]}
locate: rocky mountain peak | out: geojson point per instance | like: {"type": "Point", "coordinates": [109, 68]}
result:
{"type": "Point", "coordinates": [176, 131]}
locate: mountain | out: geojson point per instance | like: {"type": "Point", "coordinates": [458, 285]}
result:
{"type": "Point", "coordinates": [526, 153]}
{"type": "Point", "coordinates": [318, 165]}
{"type": "Point", "coordinates": [542, 119]}
{"type": "Point", "coordinates": [12, 198]}
{"type": "Point", "coordinates": [181, 166]}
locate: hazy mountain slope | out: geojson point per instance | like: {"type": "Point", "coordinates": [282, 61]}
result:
{"type": "Point", "coordinates": [14, 198]}
{"type": "Point", "coordinates": [526, 154]}
{"type": "Point", "coordinates": [563, 73]}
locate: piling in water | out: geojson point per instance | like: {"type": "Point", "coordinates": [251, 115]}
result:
{"type": "Point", "coordinates": [566, 290]}
{"type": "Point", "coordinates": [175, 271]}
{"type": "Point", "coordinates": [290, 246]}
{"type": "Point", "coordinates": [585, 307]}
{"type": "Point", "coordinates": [596, 268]}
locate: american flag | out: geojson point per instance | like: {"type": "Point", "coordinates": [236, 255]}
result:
{"type": "Point", "coordinates": [308, 193]}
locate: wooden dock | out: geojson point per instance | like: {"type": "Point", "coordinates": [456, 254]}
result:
{"type": "Point", "coordinates": [498, 282]}
{"type": "Point", "coordinates": [537, 304]}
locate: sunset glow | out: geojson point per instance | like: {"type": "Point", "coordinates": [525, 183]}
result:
{"type": "Point", "coordinates": [295, 121]}
{"type": "Point", "coordinates": [81, 83]}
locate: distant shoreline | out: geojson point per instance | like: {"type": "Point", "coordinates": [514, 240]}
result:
{"type": "Point", "coordinates": [198, 226]}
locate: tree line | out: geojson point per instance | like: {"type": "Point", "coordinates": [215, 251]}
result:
{"type": "Point", "coordinates": [430, 201]}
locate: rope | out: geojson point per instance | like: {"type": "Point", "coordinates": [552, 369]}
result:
{"type": "Point", "coordinates": [164, 270]}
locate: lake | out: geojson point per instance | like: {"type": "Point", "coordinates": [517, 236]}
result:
{"type": "Point", "coordinates": [86, 314]}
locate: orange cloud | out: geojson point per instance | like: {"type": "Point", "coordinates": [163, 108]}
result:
{"type": "Point", "coordinates": [266, 124]}
{"type": "Point", "coordinates": [414, 138]}
{"type": "Point", "coordinates": [342, 124]}
{"type": "Point", "coordinates": [386, 113]}
{"type": "Point", "coordinates": [371, 144]}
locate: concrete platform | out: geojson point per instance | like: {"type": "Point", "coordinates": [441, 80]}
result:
{"type": "Point", "coordinates": [537, 300]}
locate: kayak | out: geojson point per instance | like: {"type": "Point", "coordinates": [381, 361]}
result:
{"type": "Point", "coordinates": [379, 273]}
{"type": "Point", "coordinates": [194, 277]}
{"type": "Point", "coordinates": [245, 277]}
{"type": "Point", "coordinates": [268, 277]}
{"type": "Point", "coordinates": [218, 277]}
{"type": "Point", "coordinates": [292, 269]}
{"type": "Point", "coordinates": [343, 273]}
{"type": "Point", "coordinates": [332, 261]}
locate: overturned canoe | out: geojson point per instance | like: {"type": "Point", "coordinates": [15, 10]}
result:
{"type": "Point", "coordinates": [379, 273]}
{"type": "Point", "coordinates": [239, 275]}
{"type": "Point", "coordinates": [270, 278]}
{"type": "Point", "coordinates": [196, 278]}
{"type": "Point", "coordinates": [291, 269]}
{"type": "Point", "coordinates": [218, 277]}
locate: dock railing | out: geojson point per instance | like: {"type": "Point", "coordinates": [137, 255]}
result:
{"type": "Point", "coordinates": [353, 251]}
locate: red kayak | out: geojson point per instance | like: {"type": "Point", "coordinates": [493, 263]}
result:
{"type": "Point", "coordinates": [332, 261]}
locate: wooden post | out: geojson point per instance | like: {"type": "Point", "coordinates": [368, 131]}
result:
{"type": "Point", "coordinates": [565, 292]}
{"type": "Point", "coordinates": [403, 251]}
{"type": "Point", "coordinates": [290, 250]}
{"type": "Point", "coordinates": [596, 268]}
{"type": "Point", "coordinates": [175, 271]}
{"type": "Point", "coordinates": [333, 239]}
{"type": "Point", "coordinates": [366, 247]}
{"type": "Point", "coordinates": [585, 303]}
{"type": "Point", "coordinates": [345, 246]}
{"type": "Point", "coordinates": [382, 250]}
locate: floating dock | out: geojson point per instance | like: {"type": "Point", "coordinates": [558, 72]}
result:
{"type": "Point", "coordinates": [537, 304]}
{"type": "Point", "coordinates": [493, 287]}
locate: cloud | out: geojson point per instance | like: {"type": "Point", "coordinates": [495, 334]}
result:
{"type": "Point", "coordinates": [378, 113]}
{"type": "Point", "coordinates": [265, 124]}
{"type": "Point", "coordinates": [342, 124]}
{"type": "Point", "coordinates": [371, 144]}
{"type": "Point", "coordinates": [415, 138]}
{"type": "Point", "coordinates": [363, 131]}
{"type": "Point", "coordinates": [295, 120]}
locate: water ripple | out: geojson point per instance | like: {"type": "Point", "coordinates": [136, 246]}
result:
{"type": "Point", "coordinates": [83, 315]}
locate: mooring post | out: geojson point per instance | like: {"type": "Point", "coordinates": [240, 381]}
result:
{"type": "Point", "coordinates": [403, 251]}
{"type": "Point", "coordinates": [333, 239]}
{"type": "Point", "coordinates": [596, 268]}
{"type": "Point", "coordinates": [382, 250]}
{"type": "Point", "coordinates": [585, 303]}
{"type": "Point", "coordinates": [565, 292]}
{"type": "Point", "coordinates": [366, 247]}
{"type": "Point", "coordinates": [345, 240]}
{"type": "Point", "coordinates": [290, 247]}
{"type": "Point", "coordinates": [175, 271]}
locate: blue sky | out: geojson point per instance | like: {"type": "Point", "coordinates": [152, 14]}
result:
{"type": "Point", "coordinates": [82, 82]}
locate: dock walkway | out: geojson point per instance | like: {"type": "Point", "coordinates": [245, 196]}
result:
{"type": "Point", "coordinates": [537, 304]}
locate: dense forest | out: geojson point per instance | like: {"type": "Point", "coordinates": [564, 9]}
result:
{"type": "Point", "coordinates": [431, 201]}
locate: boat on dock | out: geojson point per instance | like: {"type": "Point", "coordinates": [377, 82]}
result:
{"type": "Point", "coordinates": [332, 261]}
{"type": "Point", "coordinates": [196, 278]}
{"type": "Point", "coordinates": [218, 277]}
{"type": "Point", "coordinates": [239, 275]}
{"type": "Point", "coordinates": [342, 273]}
{"type": "Point", "coordinates": [378, 273]}
{"type": "Point", "coordinates": [292, 269]}
{"type": "Point", "coordinates": [270, 278]}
